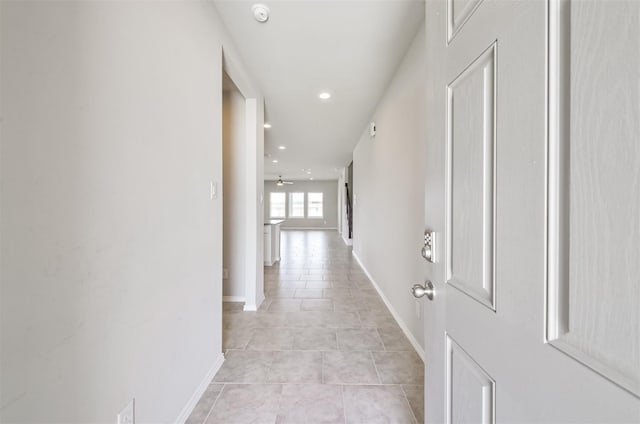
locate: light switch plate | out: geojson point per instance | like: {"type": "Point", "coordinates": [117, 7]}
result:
{"type": "Point", "coordinates": [213, 188]}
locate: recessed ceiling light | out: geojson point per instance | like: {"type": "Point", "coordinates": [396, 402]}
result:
{"type": "Point", "coordinates": [324, 95]}
{"type": "Point", "coordinates": [282, 147]}
{"type": "Point", "coordinates": [267, 125]}
{"type": "Point", "coordinates": [311, 178]}
{"type": "Point", "coordinates": [308, 172]}
{"type": "Point", "coordinates": [275, 161]}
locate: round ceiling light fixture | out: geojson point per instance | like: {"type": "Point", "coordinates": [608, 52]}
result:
{"type": "Point", "coordinates": [260, 12]}
{"type": "Point", "coordinates": [282, 147]}
{"type": "Point", "coordinates": [324, 95]}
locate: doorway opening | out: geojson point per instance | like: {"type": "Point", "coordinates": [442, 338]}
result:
{"type": "Point", "coordinates": [234, 152]}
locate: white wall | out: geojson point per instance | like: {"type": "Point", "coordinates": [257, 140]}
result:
{"type": "Point", "coordinates": [329, 200]}
{"type": "Point", "coordinates": [389, 187]}
{"type": "Point", "coordinates": [234, 196]}
{"type": "Point", "coordinates": [341, 206]}
{"type": "Point", "coordinates": [111, 273]}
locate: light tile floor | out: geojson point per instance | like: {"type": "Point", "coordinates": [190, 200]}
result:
{"type": "Point", "coordinates": [323, 348]}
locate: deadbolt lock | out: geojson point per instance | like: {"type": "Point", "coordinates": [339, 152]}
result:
{"type": "Point", "coordinates": [429, 248]}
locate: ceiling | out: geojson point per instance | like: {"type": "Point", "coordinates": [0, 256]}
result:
{"type": "Point", "coordinates": [349, 48]}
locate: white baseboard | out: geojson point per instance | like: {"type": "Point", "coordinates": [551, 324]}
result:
{"type": "Point", "coordinates": [250, 308]}
{"type": "Point", "coordinates": [193, 401]}
{"type": "Point", "coordinates": [393, 311]}
{"type": "Point", "coordinates": [347, 241]}
{"type": "Point", "coordinates": [307, 228]}
{"type": "Point", "coordinates": [233, 298]}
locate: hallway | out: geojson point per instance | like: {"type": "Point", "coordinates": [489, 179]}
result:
{"type": "Point", "coordinates": [322, 349]}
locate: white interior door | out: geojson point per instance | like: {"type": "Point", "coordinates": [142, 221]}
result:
{"type": "Point", "coordinates": [533, 189]}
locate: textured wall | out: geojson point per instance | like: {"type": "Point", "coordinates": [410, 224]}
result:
{"type": "Point", "coordinates": [111, 267]}
{"type": "Point", "coordinates": [388, 175]}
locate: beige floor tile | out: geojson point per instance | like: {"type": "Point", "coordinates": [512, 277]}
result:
{"type": "Point", "coordinates": [232, 306]}
{"type": "Point", "coordinates": [336, 293]}
{"type": "Point", "coordinates": [281, 293]}
{"type": "Point", "coordinates": [348, 368]}
{"type": "Point", "coordinates": [318, 284]}
{"type": "Point", "coordinates": [316, 305]}
{"type": "Point", "coordinates": [350, 304]}
{"type": "Point", "coordinates": [399, 367]}
{"type": "Point", "coordinates": [202, 409]}
{"type": "Point", "coordinates": [236, 338]}
{"type": "Point", "coordinates": [359, 339]}
{"type": "Point", "coordinates": [376, 404]}
{"type": "Point", "coordinates": [291, 346]}
{"type": "Point", "coordinates": [247, 403]}
{"type": "Point", "coordinates": [244, 367]}
{"type": "Point", "coordinates": [377, 319]}
{"type": "Point", "coordinates": [284, 305]}
{"type": "Point", "coordinates": [311, 403]}
{"type": "Point", "coordinates": [296, 366]}
{"type": "Point", "coordinates": [415, 396]}
{"type": "Point", "coordinates": [270, 319]}
{"type": "Point", "coordinates": [308, 293]}
{"type": "Point", "coordinates": [298, 319]}
{"type": "Point", "coordinates": [394, 339]}
{"type": "Point", "coordinates": [271, 339]}
{"type": "Point", "coordinates": [264, 306]}
{"type": "Point", "coordinates": [315, 339]}
{"type": "Point", "coordinates": [342, 319]}
{"type": "Point", "coordinates": [239, 320]}
{"type": "Point", "coordinates": [292, 284]}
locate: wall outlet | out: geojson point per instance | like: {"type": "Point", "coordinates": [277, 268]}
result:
{"type": "Point", "coordinates": [225, 274]}
{"type": "Point", "coordinates": [128, 414]}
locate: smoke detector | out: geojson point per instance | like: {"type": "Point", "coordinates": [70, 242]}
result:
{"type": "Point", "coordinates": [260, 12]}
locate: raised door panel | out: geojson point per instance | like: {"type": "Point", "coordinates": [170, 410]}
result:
{"type": "Point", "coordinates": [594, 232]}
{"type": "Point", "coordinates": [471, 180]}
{"type": "Point", "coordinates": [458, 13]}
{"type": "Point", "coordinates": [470, 390]}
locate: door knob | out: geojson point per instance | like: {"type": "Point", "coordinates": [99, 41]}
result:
{"type": "Point", "coordinates": [426, 290]}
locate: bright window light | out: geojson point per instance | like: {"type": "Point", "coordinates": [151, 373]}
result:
{"type": "Point", "coordinates": [277, 205]}
{"type": "Point", "coordinates": [314, 205]}
{"type": "Point", "coordinates": [296, 205]}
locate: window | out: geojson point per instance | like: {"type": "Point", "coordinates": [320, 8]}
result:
{"type": "Point", "coordinates": [296, 205]}
{"type": "Point", "coordinates": [314, 206]}
{"type": "Point", "coordinates": [277, 205]}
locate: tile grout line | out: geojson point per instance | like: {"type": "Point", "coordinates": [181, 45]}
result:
{"type": "Point", "coordinates": [346, 290]}
{"type": "Point", "coordinates": [375, 367]}
{"type": "Point", "coordinates": [322, 367]}
{"type": "Point", "coordinates": [344, 406]}
{"type": "Point", "coordinates": [383, 344]}
{"type": "Point", "coordinates": [214, 403]}
{"type": "Point", "coordinates": [415, 419]}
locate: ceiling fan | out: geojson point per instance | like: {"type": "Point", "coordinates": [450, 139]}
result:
{"type": "Point", "coordinates": [281, 183]}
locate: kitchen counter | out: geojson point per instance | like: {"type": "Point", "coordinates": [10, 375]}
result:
{"type": "Point", "coordinates": [272, 241]}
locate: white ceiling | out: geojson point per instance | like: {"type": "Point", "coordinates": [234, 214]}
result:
{"type": "Point", "coordinates": [349, 48]}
